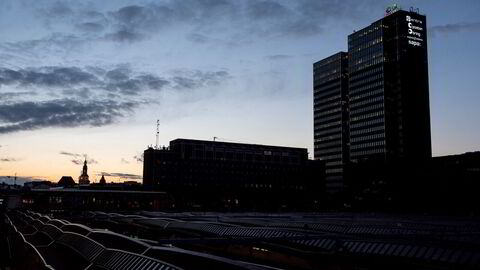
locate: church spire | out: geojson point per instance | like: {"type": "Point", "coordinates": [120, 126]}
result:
{"type": "Point", "coordinates": [83, 179]}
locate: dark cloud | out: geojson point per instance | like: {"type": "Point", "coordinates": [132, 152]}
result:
{"type": "Point", "coordinates": [7, 159]}
{"type": "Point", "coordinates": [122, 175]}
{"type": "Point", "coordinates": [197, 79]}
{"type": "Point", "coordinates": [79, 159]}
{"type": "Point", "coordinates": [12, 95]}
{"type": "Point", "coordinates": [54, 43]}
{"type": "Point", "coordinates": [138, 158]}
{"type": "Point", "coordinates": [454, 28]}
{"type": "Point", "coordinates": [278, 57]}
{"type": "Point", "coordinates": [124, 161]}
{"type": "Point", "coordinates": [70, 154]}
{"type": "Point", "coordinates": [61, 113]}
{"type": "Point", "coordinates": [106, 94]}
{"type": "Point", "coordinates": [59, 9]}
{"type": "Point", "coordinates": [80, 82]}
{"type": "Point", "coordinates": [124, 36]}
{"type": "Point", "coordinates": [90, 27]}
{"type": "Point", "coordinates": [46, 77]}
{"type": "Point", "coordinates": [214, 18]}
{"type": "Point", "coordinates": [83, 93]}
{"type": "Point", "coordinates": [199, 38]}
{"type": "Point", "coordinates": [262, 10]}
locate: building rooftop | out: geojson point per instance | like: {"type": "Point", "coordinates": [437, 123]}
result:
{"type": "Point", "coordinates": [212, 240]}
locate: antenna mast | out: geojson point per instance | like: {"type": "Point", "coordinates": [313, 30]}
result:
{"type": "Point", "coordinates": [158, 132]}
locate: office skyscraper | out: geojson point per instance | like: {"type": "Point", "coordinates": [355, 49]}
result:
{"type": "Point", "coordinates": [388, 89]}
{"type": "Point", "coordinates": [330, 83]}
{"type": "Point", "coordinates": [388, 97]}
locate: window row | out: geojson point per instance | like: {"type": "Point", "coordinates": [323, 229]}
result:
{"type": "Point", "coordinates": [330, 157]}
{"type": "Point", "coordinates": [366, 116]}
{"type": "Point", "coordinates": [367, 145]}
{"type": "Point", "coordinates": [367, 123]}
{"type": "Point", "coordinates": [367, 152]}
{"type": "Point", "coordinates": [368, 137]}
{"type": "Point", "coordinates": [332, 124]}
{"type": "Point", "coordinates": [319, 101]}
{"type": "Point", "coordinates": [330, 131]}
{"type": "Point", "coordinates": [365, 102]}
{"type": "Point", "coordinates": [329, 151]}
{"type": "Point", "coordinates": [328, 138]}
{"type": "Point", "coordinates": [375, 27]}
{"type": "Point", "coordinates": [366, 91]}
{"type": "Point", "coordinates": [337, 170]}
{"type": "Point", "coordinates": [326, 107]}
{"type": "Point", "coordinates": [372, 71]}
{"type": "Point", "coordinates": [328, 112]}
{"type": "Point", "coordinates": [334, 77]}
{"type": "Point", "coordinates": [319, 73]}
{"type": "Point", "coordinates": [324, 120]}
{"type": "Point", "coordinates": [366, 58]}
{"type": "Point", "coordinates": [376, 61]}
{"type": "Point", "coordinates": [366, 130]}
{"type": "Point", "coordinates": [320, 119]}
{"type": "Point", "coordinates": [365, 80]}
{"type": "Point", "coordinates": [333, 163]}
{"type": "Point", "coordinates": [322, 147]}
{"type": "Point", "coordinates": [321, 89]}
{"type": "Point", "coordinates": [365, 52]}
{"type": "Point", "coordinates": [329, 62]}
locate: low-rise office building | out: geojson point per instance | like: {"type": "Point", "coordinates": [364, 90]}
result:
{"type": "Point", "coordinates": [213, 174]}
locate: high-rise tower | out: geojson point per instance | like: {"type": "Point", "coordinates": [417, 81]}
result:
{"type": "Point", "coordinates": [388, 89]}
{"type": "Point", "coordinates": [372, 104]}
{"type": "Point", "coordinates": [330, 84]}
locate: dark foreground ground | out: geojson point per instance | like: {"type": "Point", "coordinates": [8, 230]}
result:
{"type": "Point", "coordinates": [192, 240]}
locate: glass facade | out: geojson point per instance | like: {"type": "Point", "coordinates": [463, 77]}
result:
{"type": "Point", "coordinates": [330, 116]}
{"type": "Point", "coordinates": [372, 103]}
{"type": "Point", "coordinates": [389, 110]}
{"type": "Point", "coordinates": [366, 92]}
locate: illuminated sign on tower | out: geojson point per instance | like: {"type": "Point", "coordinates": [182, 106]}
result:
{"type": "Point", "coordinates": [415, 31]}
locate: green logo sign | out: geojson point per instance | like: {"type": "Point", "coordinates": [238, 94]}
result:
{"type": "Point", "coordinates": [391, 9]}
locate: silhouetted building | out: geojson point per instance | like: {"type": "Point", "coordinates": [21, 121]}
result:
{"type": "Point", "coordinates": [330, 84]}
{"type": "Point", "coordinates": [83, 179]}
{"type": "Point", "coordinates": [214, 174]}
{"type": "Point", "coordinates": [76, 199]}
{"type": "Point", "coordinates": [66, 181]}
{"type": "Point", "coordinates": [454, 183]}
{"type": "Point", "coordinates": [102, 180]}
{"type": "Point", "coordinates": [38, 184]}
{"type": "Point", "coordinates": [379, 117]}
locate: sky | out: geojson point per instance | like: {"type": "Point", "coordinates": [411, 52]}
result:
{"type": "Point", "coordinates": [89, 79]}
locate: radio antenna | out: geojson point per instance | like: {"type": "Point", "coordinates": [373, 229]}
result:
{"type": "Point", "coordinates": [158, 132]}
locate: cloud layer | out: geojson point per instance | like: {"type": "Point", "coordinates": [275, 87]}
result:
{"type": "Point", "coordinates": [244, 19]}
{"type": "Point", "coordinates": [60, 113]}
{"type": "Point", "coordinates": [105, 95]}
{"type": "Point", "coordinates": [454, 28]}
{"type": "Point", "coordinates": [79, 159]}
{"type": "Point", "coordinates": [7, 159]}
{"type": "Point", "coordinates": [121, 79]}
{"type": "Point", "coordinates": [125, 176]}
